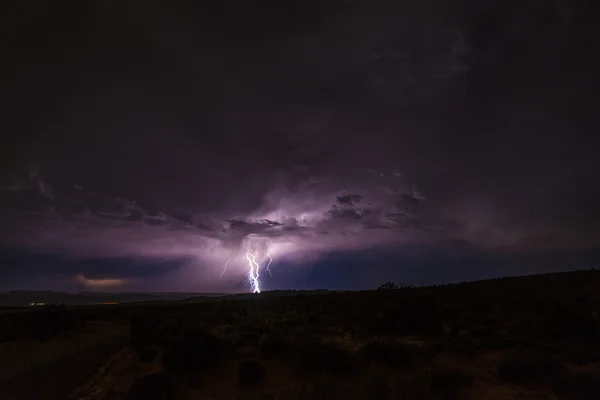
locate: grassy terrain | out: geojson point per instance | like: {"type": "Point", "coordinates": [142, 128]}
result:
{"type": "Point", "coordinates": [510, 338]}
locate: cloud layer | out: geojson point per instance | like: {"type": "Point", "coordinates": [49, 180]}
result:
{"type": "Point", "coordinates": [289, 224]}
{"type": "Point", "coordinates": [196, 134]}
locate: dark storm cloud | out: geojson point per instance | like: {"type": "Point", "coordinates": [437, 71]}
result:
{"type": "Point", "coordinates": [249, 227]}
{"type": "Point", "coordinates": [200, 132]}
{"type": "Point", "coordinates": [349, 199]}
{"type": "Point", "coordinates": [105, 226]}
{"type": "Point", "coordinates": [345, 212]}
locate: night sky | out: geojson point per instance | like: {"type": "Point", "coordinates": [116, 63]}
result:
{"type": "Point", "coordinates": [146, 144]}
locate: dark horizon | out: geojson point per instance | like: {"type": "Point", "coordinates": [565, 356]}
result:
{"type": "Point", "coordinates": [152, 146]}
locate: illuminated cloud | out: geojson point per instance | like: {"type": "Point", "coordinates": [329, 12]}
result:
{"type": "Point", "coordinates": [287, 224]}
{"type": "Point", "coordinates": [371, 126]}
{"type": "Point", "coordinates": [100, 283]}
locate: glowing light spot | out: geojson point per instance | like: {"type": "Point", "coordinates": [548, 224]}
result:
{"type": "Point", "coordinates": [101, 283]}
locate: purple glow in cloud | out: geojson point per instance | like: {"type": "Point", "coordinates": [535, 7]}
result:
{"type": "Point", "coordinates": [291, 135]}
{"type": "Point", "coordinates": [288, 225]}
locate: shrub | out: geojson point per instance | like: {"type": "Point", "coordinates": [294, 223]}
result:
{"type": "Point", "coordinates": [51, 321]}
{"type": "Point", "coordinates": [195, 350]}
{"type": "Point", "coordinates": [148, 354]}
{"type": "Point", "coordinates": [248, 338]}
{"type": "Point", "coordinates": [143, 324]}
{"type": "Point", "coordinates": [157, 386]}
{"type": "Point", "coordinates": [462, 345]}
{"type": "Point", "coordinates": [580, 355]}
{"type": "Point", "coordinates": [410, 387]}
{"type": "Point", "coordinates": [570, 322]}
{"type": "Point", "coordinates": [446, 382]}
{"type": "Point", "coordinates": [317, 356]}
{"type": "Point", "coordinates": [392, 285]}
{"type": "Point", "coordinates": [388, 285]}
{"type": "Point", "coordinates": [367, 387]}
{"type": "Point", "coordinates": [250, 373]}
{"type": "Point", "coordinates": [273, 346]}
{"type": "Point", "coordinates": [580, 386]}
{"type": "Point", "coordinates": [143, 330]}
{"type": "Point", "coordinates": [384, 351]}
{"type": "Point", "coordinates": [526, 367]}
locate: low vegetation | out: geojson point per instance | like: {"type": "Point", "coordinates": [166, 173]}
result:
{"type": "Point", "coordinates": [537, 333]}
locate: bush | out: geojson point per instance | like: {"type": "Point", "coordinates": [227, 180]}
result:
{"type": "Point", "coordinates": [51, 321]}
{"type": "Point", "coordinates": [573, 324]}
{"type": "Point", "coordinates": [143, 324]}
{"type": "Point", "coordinates": [367, 387]}
{"type": "Point", "coordinates": [525, 368]}
{"type": "Point", "coordinates": [317, 356]}
{"type": "Point", "coordinates": [273, 346]}
{"type": "Point", "coordinates": [446, 382]}
{"type": "Point", "coordinates": [411, 319]}
{"type": "Point", "coordinates": [461, 345]}
{"type": "Point", "coordinates": [157, 386]}
{"type": "Point", "coordinates": [390, 353]}
{"type": "Point", "coordinates": [580, 355]}
{"type": "Point", "coordinates": [250, 373]}
{"type": "Point", "coordinates": [143, 330]}
{"type": "Point", "coordinates": [410, 387]}
{"type": "Point", "coordinates": [392, 285]}
{"type": "Point", "coordinates": [248, 338]}
{"type": "Point", "coordinates": [580, 386]}
{"type": "Point", "coordinates": [195, 350]}
{"type": "Point", "coordinates": [388, 285]}
{"type": "Point", "coordinates": [148, 354]}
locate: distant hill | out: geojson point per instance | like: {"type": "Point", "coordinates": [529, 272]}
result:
{"type": "Point", "coordinates": [19, 298]}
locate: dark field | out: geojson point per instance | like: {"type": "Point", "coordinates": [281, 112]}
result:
{"type": "Point", "coordinates": [535, 337]}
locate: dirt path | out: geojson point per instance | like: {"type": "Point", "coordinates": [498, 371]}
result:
{"type": "Point", "coordinates": [52, 370]}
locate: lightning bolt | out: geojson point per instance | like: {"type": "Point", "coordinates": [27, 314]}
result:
{"type": "Point", "coordinates": [253, 273]}
{"type": "Point", "coordinates": [269, 264]}
{"type": "Point", "coordinates": [224, 268]}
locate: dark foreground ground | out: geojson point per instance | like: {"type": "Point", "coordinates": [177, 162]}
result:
{"type": "Point", "coordinates": [535, 337]}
